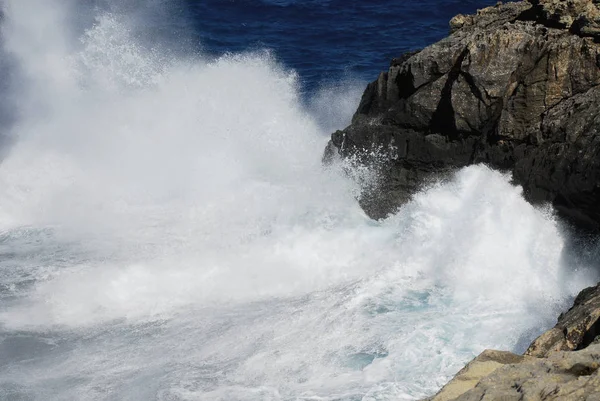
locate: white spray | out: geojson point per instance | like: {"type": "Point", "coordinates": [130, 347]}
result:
{"type": "Point", "coordinates": [175, 237]}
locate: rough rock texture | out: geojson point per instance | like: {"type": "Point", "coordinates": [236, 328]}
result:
{"type": "Point", "coordinates": [515, 86]}
{"type": "Point", "coordinates": [576, 329]}
{"type": "Point", "coordinates": [479, 368]}
{"type": "Point", "coordinates": [580, 16]}
{"type": "Point", "coordinates": [561, 376]}
{"type": "Point", "coordinates": [562, 364]}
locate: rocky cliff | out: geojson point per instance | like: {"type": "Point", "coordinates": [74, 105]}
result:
{"type": "Point", "coordinates": [515, 86]}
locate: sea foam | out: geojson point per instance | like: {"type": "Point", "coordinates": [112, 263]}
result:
{"type": "Point", "coordinates": [170, 233]}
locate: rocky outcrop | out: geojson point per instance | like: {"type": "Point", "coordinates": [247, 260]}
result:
{"type": "Point", "coordinates": [562, 376]}
{"type": "Point", "coordinates": [516, 86]}
{"type": "Point", "coordinates": [561, 364]}
{"type": "Point", "coordinates": [576, 329]}
{"type": "Point", "coordinates": [479, 368]}
{"type": "Point", "coordinates": [581, 17]}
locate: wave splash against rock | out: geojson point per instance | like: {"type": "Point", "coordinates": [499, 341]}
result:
{"type": "Point", "coordinates": [515, 86]}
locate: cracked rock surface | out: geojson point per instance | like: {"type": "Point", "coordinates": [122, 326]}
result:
{"type": "Point", "coordinates": [503, 376]}
{"type": "Point", "coordinates": [515, 86]}
{"type": "Point", "coordinates": [561, 364]}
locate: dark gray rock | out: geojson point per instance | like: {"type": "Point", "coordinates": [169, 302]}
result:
{"type": "Point", "coordinates": [514, 86]}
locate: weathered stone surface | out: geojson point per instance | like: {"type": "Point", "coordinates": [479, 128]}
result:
{"type": "Point", "coordinates": [576, 329]}
{"type": "Point", "coordinates": [561, 364]}
{"type": "Point", "coordinates": [482, 366]}
{"type": "Point", "coordinates": [515, 86]}
{"type": "Point", "coordinates": [562, 376]}
{"type": "Point", "coordinates": [570, 14]}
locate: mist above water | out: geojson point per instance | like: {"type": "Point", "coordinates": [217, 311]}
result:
{"type": "Point", "coordinates": [168, 232]}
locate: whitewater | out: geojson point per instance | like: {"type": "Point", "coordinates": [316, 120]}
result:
{"type": "Point", "coordinates": [168, 232]}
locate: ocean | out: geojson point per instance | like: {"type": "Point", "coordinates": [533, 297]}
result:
{"type": "Point", "coordinates": [168, 231]}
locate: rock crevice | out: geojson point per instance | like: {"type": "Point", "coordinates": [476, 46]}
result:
{"type": "Point", "coordinates": [514, 86]}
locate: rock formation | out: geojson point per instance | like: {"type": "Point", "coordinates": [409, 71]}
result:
{"type": "Point", "coordinates": [516, 86]}
{"type": "Point", "coordinates": [495, 375]}
{"type": "Point", "coordinates": [576, 329]}
{"type": "Point", "coordinates": [562, 364]}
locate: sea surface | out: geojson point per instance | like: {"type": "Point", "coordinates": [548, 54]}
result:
{"type": "Point", "coordinates": [168, 231]}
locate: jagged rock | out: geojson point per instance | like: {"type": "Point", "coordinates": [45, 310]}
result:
{"type": "Point", "coordinates": [482, 366]}
{"type": "Point", "coordinates": [515, 86]}
{"type": "Point", "coordinates": [576, 329]}
{"type": "Point", "coordinates": [459, 21]}
{"type": "Point", "coordinates": [562, 376]}
{"type": "Point", "coordinates": [565, 14]}
{"type": "Point", "coordinates": [561, 364]}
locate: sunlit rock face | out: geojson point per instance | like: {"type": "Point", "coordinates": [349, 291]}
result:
{"type": "Point", "coordinates": [514, 86]}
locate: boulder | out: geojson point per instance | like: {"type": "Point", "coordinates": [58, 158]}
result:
{"type": "Point", "coordinates": [515, 86]}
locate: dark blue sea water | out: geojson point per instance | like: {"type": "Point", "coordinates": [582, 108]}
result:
{"type": "Point", "coordinates": [323, 40]}
{"type": "Point", "coordinates": [326, 40]}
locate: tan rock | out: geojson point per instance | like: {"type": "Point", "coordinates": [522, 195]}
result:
{"type": "Point", "coordinates": [566, 12]}
{"type": "Point", "coordinates": [460, 21]}
{"type": "Point", "coordinates": [561, 364]}
{"type": "Point", "coordinates": [482, 366]}
{"type": "Point", "coordinates": [576, 329]}
{"type": "Point", "coordinates": [495, 375]}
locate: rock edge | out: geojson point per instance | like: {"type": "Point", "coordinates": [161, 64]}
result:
{"type": "Point", "coordinates": [515, 86]}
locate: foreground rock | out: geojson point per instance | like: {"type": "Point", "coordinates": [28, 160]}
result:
{"type": "Point", "coordinates": [576, 329]}
{"type": "Point", "coordinates": [515, 86]}
{"type": "Point", "coordinates": [504, 376]}
{"type": "Point", "coordinates": [562, 364]}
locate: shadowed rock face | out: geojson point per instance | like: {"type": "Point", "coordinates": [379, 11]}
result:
{"type": "Point", "coordinates": [515, 86]}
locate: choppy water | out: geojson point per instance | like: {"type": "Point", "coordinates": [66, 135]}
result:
{"type": "Point", "coordinates": [167, 230]}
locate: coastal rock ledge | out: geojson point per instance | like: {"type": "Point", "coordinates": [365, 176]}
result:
{"type": "Point", "coordinates": [561, 364]}
{"type": "Point", "coordinates": [516, 86]}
